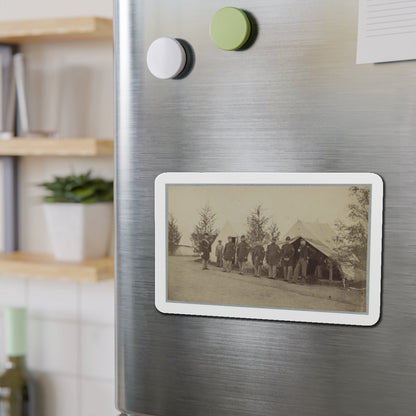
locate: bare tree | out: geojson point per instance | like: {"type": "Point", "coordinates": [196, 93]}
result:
{"type": "Point", "coordinates": [174, 236]}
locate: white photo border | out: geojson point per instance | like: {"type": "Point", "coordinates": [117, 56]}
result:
{"type": "Point", "coordinates": [374, 268]}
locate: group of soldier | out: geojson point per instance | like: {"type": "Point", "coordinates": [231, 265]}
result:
{"type": "Point", "coordinates": [276, 258]}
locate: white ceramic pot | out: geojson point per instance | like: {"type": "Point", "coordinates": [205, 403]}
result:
{"type": "Point", "coordinates": [79, 231]}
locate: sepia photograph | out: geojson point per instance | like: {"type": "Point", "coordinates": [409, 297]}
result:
{"type": "Point", "coordinates": [300, 247]}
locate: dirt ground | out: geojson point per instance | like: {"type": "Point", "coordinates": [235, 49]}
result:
{"type": "Point", "coordinates": [187, 282]}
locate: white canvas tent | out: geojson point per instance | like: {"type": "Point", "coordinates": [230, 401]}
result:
{"type": "Point", "coordinates": [184, 250]}
{"type": "Point", "coordinates": [321, 237]}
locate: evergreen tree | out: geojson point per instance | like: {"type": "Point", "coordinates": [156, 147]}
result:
{"type": "Point", "coordinates": [273, 231]}
{"type": "Point", "coordinates": [206, 224]}
{"type": "Point", "coordinates": [260, 227]}
{"type": "Point", "coordinates": [352, 235]}
{"type": "Point", "coordinates": [174, 236]}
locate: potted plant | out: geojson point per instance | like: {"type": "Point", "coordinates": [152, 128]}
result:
{"type": "Point", "coordinates": [79, 216]}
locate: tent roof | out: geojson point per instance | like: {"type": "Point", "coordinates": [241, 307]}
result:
{"type": "Point", "coordinates": [229, 229]}
{"type": "Point", "coordinates": [316, 231]}
{"type": "Point", "coordinates": [323, 248]}
{"type": "Point", "coordinates": [319, 235]}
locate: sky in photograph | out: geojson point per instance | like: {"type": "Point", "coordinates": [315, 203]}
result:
{"type": "Point", "coordinates": [285, 204]}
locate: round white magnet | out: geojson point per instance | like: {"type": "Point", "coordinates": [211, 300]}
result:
{"type": "Point", "coordinates": [166, 58]}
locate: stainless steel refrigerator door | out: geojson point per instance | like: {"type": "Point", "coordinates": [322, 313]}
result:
{"type": "Point", "coordinates": [294, 101]}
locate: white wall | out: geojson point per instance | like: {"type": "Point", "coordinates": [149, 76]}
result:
{"type": "Point", "coordinates": [29, 9]}
{"type": "Point", "coordinates": [71, 336]}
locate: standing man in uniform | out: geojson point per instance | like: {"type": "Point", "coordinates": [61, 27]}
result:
{"type": "Point", "coordinates": [229, 253]}
{"type": "Point", "coordinates": [205, 249]}
{"type": "Point", "coordinates": [288, 255]}
{"type": "Point", "coordinates": [330, 266]}
{"type": "Point", "coordinates": [257, 256]}
{"type": "Point", "coordinates": [273, 258]}
{"type": "Point", "coordinates": [219, 252]}
{"type": "Point", "coordinates": [319, 266]}
{"type": "Point", "coordinates": [242, 253]}
{"type": "Point", "coordinates": [302, 264]}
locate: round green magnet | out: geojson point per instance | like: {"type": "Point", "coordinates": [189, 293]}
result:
{"type": "Point", "coordinates": [230, 28]}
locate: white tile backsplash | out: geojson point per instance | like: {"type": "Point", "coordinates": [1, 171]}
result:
{"type": "Point", "coordinates": [71, 362]}
{"type": "Point", "coordinates": [97, 302]}
{"type": "Point", "coordinates": [54, 346]}
{"type": "Point", "coordinates": [12, 292]}
{"type": "Point", "coordinates": [53, 299]}
{"type": "Point", "coordinates": [56, 395]}
{"type": "Point", "coordinates": [97, 398]}
{"type": "Point", "coordinates": [2, 346]}
{"type": "Point", "coordinates": [97, 352]}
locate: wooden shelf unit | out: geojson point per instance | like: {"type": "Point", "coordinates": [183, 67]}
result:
{"type": "Point", "coordinates": [61, 29]}
{"type": "Point", "coordinates": [44, 266]}
{"type": "Point", "coordinates": [31, 265]}
{"type": "Point", "coordinates": [18, 146]}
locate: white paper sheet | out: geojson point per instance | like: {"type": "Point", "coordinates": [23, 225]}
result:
{"type": "Point", "coordinates": [386, 31]}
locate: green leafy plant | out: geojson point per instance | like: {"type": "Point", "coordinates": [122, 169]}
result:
{"type": "Point", "coordinates": [82, 189]}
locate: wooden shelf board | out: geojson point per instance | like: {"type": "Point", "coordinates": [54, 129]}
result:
{"type": "Point", "coordinates": [44, 266]}
{"type": "Point", "coordinates": [39, 30]}
{"type": "Point", "coordinates": [18, 146]}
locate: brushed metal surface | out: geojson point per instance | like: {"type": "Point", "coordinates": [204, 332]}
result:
{"type": "Point", "coordinates": [295, 101]}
